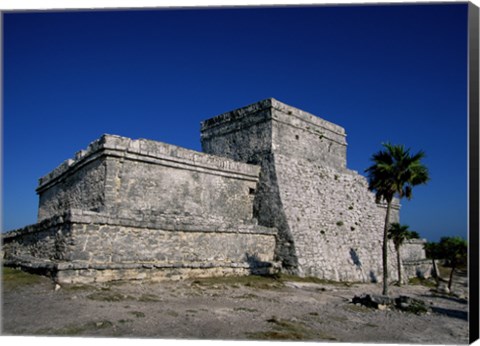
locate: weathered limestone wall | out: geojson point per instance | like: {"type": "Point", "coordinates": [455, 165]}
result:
{"type": "Point", "coordinates": [298, 134]}
{"type": "Point", "coordinates": [245, 135]}
{"type": "Point", "coordinates": [44, 240]}
{"type": "Point", "coordinates": [170, 241]}
{"type": "Point", "coordinates": [131, 178]}
{"type": "Point", "coordinates": [329, 224]}
{"type": "Point", "coordinates": [414, 261]}
{"type": "Point", "coordinates": [81, 187]}
{"type": "Point", "coordinates": [413, 249]}
{"type": "Point", "coordinates": [88, 246]}
{"type": "Point", "coordinates": [132, 209]}
{"type": "Point", "coordinates": [336, 225]}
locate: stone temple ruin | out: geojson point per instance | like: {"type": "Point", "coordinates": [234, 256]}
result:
{"type": "Point", "coordinates": [270, 191]}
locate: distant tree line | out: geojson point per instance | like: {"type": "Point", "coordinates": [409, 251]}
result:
{"type": "Point", "coordinates": [453, 250]}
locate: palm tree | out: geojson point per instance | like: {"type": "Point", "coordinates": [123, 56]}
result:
{"type": "Point", "coordinates": [398, 234]}
{"type": "Point", "coordinates": [433, 251]}
{"type": "Point", "coordinates": [394, 173]}
{"type": "Point", "coordinates": [454, 250]}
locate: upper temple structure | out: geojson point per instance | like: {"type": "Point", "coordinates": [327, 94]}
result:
{"type": "Point", "coordinates": [270, 191]}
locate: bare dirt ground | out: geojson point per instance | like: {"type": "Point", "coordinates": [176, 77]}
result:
{"type": "Point", "coordinates": [251, 308]}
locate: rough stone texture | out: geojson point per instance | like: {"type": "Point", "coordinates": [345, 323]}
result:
{"type": "Point", "coordinates": [329, 224]}
{"type": "Point", "coordinates": [154, 274]}
{"type": "Point", "coordinates": [86, 246]}
{"type": "Point", "coordinates": [413, 249]}
{"type": "Point", "coordinates": [417, 268]}
{"type": "Point", "coordinates": [128, 178]}
{"type": "Point", "coordinates": [414, 261]}
{"type": "Point", "coordinates": [44, 240]}
{"type": "Point", "coordinates": [82, 187]}
{"type": "Point", "coordinates": [275, 189]}
{"type": "Point", "coordinates": [336, 225]}
{"type": "Point", "coordinates": [127, 208]}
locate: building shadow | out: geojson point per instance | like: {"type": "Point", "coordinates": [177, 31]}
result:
{"type": "Point", "coordinates": [355, 258]}
{"type": "Point", "coordinates": [257, 266]}
{"type": "Point", "coordinates": [463, 315]}
{"type": "Point", "coordinates": [450, 298]}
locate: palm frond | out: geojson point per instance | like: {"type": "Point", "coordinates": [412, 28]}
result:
{"type": "Point", "coordinates": [395, 172]}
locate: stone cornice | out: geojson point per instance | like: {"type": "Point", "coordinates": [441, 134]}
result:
{"type": "Point", "coordinates": [151, 152]}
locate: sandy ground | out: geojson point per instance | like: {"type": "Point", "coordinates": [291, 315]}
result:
{"type": "Point", "coordinates": [227, 309]}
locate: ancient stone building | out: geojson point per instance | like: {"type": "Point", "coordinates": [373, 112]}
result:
{"type": "Point", "coordinates": [270, 190]}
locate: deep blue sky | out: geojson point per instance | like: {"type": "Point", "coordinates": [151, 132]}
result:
{"type": "Point", "coordinates": [384, 73]}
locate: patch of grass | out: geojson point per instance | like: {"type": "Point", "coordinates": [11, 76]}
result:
{"type": "Point", "coordinates": [137, 314]}
{"type": "Point", "coordinates": [294, 278]}
{"type": "Point", "coordinates": [77, 287]}
{"type": "Point", "coordinates": [338, 318]}
{"type": "Point", "coordinates": [289, 330]}
{"type": "Point", "coordinates": [254, 281]}
{"type": "Point", "coordinates": [246, 296]}
{"type": "Point", "coordinates": [15, 278]}
{"type": "Point", "coordinates": [265, 283]}
{"type": "Point", "coordinates": [71, 329]}
{"type": "Point", "coordinates": [291, 325]}
{"type": "Point", "coordinates": [274, 335]}
{"type": "Point", "coordinates": [108, 296]}
{"type": "Point", "coordinates": [122, 321]}
{"type": "Point", "coordinates": [172, 313]}
{"type": "Point", "coordinates": [444, 270]}
{"type": "Point", "coordinates": [415, 307]}
{"type": "Point", "coordinates": [210, 283]}
{"type": "Point", "coordinates": [116, 283]}
{"type": "Point", "coordinates": [191, 311]}
{"type": "Point", "coordinates": [357, 308]}
{"type": "Point", "coordinates": [312, 279]}
{"type": "Point", "coordinates": [320, 335]}
{"type": "Point", "coordinates": [372, 325]}
{"type": "Point", "coordinates": [245, 309]}
{"type": "Point", "coordinates": [149, 298]}
{"type": "Point", "coordinates": [260, 282]}
{"type": "Point", "coordinates": [422, 282]}
{"type": "Point", "coordinates": [191, 294]}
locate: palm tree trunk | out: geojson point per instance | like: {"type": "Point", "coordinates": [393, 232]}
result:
{"type": "Point", "coordinates": [385, 249]}
{"type": "Point", "coordinates": [435, 273]}
{"type": "Point", "coordinates": [450, 280]}
{"type": "Point", "coordinates": [399, 267]}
